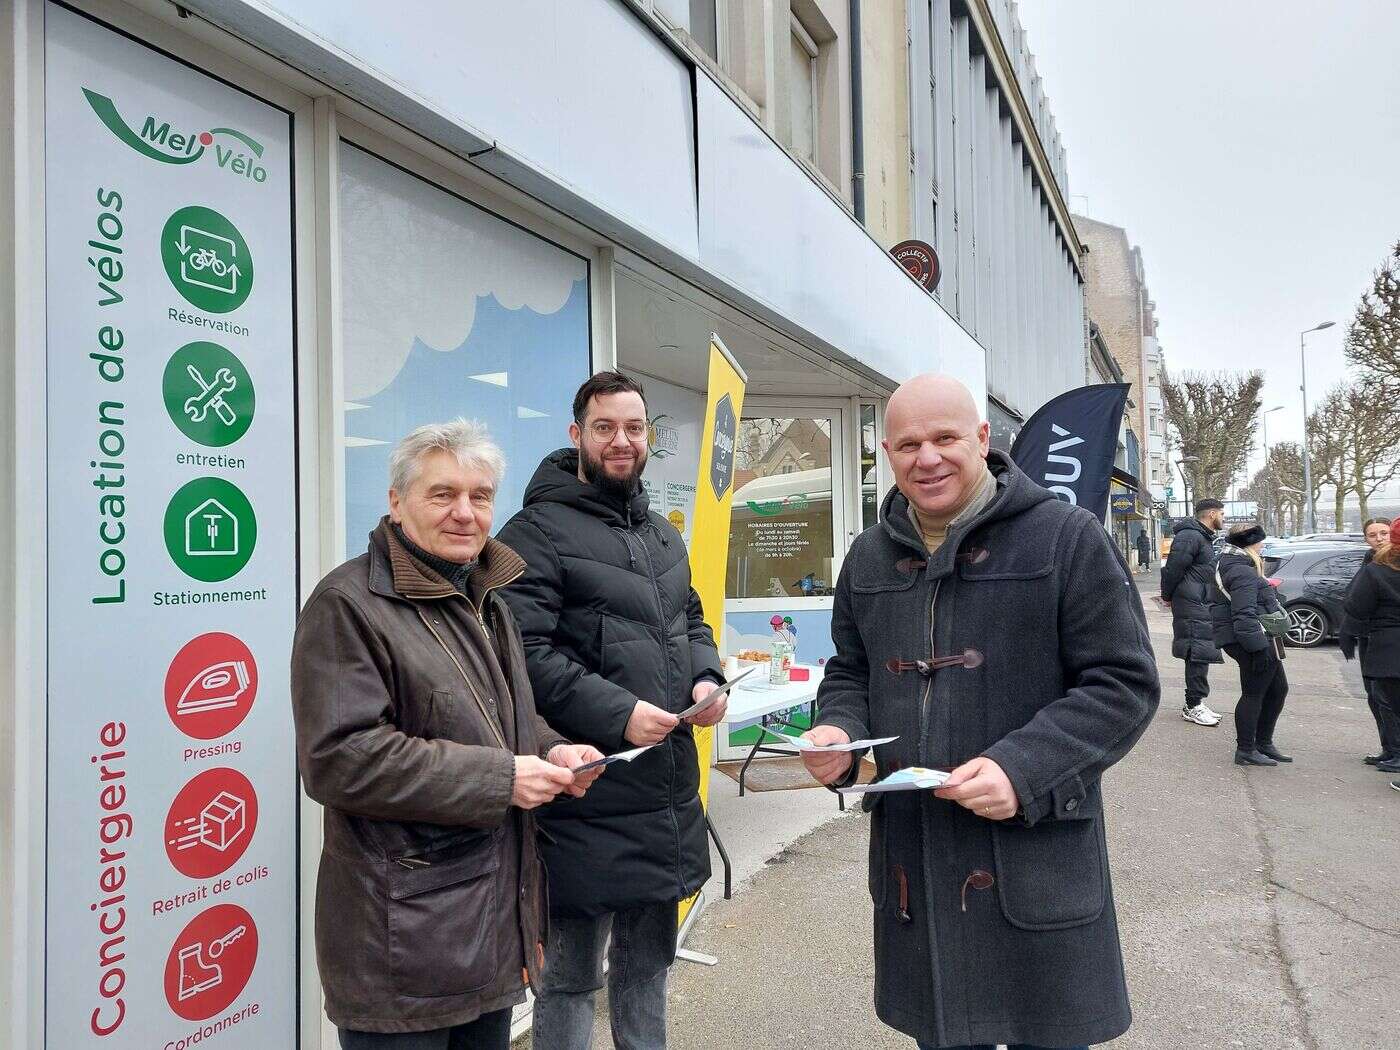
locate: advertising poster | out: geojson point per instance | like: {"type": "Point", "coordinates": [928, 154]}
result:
{"type": "Point", "coordinates": [673, 444]}
{"type": "Point", "coordinates": [172, 575]}
{"type": "Point", "coordinates": [709, 540]}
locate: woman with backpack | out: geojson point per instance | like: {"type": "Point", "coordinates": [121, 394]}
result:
{"type": "Point", "coordinates": [1373, 604]}
{"type": "Point", "coordinates": [1249, 624]}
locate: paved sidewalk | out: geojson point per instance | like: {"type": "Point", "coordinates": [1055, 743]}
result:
{"type": "Point", "coordinates": [1259, 908]}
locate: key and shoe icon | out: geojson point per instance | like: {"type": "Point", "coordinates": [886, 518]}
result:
{"type": "Point", "coordinates": [199, 971]}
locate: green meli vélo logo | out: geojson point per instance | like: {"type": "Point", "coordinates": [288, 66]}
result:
{"type": "Point", "coordinates": [233, 151]}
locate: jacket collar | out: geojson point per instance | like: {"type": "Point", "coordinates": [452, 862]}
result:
{"type": "Point", "coordinates": [1015, 493]}
{"type": "Point", "coordinates": [1192, 523]}
{"type": "Point", "coordinates": [556, 481]}
{"type": "Point", "coordinates": [395, 573]}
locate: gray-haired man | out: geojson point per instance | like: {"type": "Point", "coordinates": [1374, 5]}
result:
{"type": "Point", "coordinates": [416, 729]}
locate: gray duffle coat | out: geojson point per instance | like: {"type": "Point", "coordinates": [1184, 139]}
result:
{"type": "Point", "coordinates": [994, 932]}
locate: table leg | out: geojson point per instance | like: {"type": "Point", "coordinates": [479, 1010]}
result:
{"type": "Point", "coordinates": [723, 855]}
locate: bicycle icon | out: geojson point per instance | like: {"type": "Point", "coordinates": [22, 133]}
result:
{"type": "Point", "coordinates": [208, 260]}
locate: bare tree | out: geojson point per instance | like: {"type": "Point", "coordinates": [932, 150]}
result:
{"type": "Point", "coordinates": [1214, 416]}
{"type": "Point", "coordinates": [1330, 448]}
{"type": "Point", "coordinates": [1278, 488]}
{"type": "Point", "coordinates": [1373, 433]}
{"type": "Point", "coordinates": [1373, 340]}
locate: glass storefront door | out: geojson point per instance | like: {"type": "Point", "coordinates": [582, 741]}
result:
{"type": "Point", "coordinates": [787, 532]}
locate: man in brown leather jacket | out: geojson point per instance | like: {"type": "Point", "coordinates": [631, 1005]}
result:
{"type": "Point", "coordinates": [416, 729]}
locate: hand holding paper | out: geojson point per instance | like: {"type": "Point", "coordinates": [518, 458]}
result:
{"type": "Point", "coordinates": [912, 778]}
{"type": "Point", "coordinates": [710, 698]}
{"type": "Point", "coordinates": [802, 743]}
{"type": "Point", "coordinates": [621, 756]}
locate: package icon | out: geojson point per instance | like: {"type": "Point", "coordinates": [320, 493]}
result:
{"type": "Point", "coordinates": [222, 821]}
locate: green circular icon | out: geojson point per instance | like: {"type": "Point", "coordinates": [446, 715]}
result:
{"type": "Point", "coordinates": [208, 394]}
{"type": "Point", "coordinates": [206, 259]}
{"type": "Point", "coordinates": [210, 529]}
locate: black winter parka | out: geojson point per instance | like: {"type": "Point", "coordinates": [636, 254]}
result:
{"type": "Point", "coordinates": [1373, 602]}
{"type": "Point", "coordinates": [608, 617]}
{"type": "Point", "coordinates": [1187, 581]}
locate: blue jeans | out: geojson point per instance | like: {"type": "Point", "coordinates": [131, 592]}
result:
{"type": "Point", "coordinates": [488, 1032]}
{"type": "Point", "coordinates": [642, 949]}
{"type": "Point", "coordinates": [988, 1046]}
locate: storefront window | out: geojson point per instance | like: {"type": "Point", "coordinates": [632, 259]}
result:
{"type": "Point", "coordinates": [869, 468]}
{"type": "Point", "coordinates": [780, 533]}
{"type": "Point", "coordinates": [449, 311]}
{"type": "Point", "coordinates": [1005, 426]}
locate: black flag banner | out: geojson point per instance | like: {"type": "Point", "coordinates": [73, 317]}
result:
{"type": "Point", "coordinates": [1069, 444]}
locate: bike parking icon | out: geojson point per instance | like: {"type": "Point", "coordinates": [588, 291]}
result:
{"type": "Point", "coordinates": [206, 259]}
{"type": "Point", "coordinates": [210, 962]}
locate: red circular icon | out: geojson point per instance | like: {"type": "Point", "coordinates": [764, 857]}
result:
{"type": "Point", "coordinates": [211, 685]}
{"type": "Point", "coordinates": [210, 823]}
{"type": "Point", "coordinates": [210, 962]}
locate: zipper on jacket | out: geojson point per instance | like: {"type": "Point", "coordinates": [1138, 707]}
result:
{"type": "Point", "coordinates": [927, 698]}
{"type": "Point", "coordinates": [496, 731]}
{"type": "Point", "coordinates": [670, 750]}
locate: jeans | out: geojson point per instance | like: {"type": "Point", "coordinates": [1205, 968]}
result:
{"type": "Point", "coordinates": [989, 1046]}
{"type": "Point", "coordinates": [1197, 685]}
{"type": "Point", "coordinates": [1263, 689]}
{"type": "Point", "coordinates": [642, 949]}
{"type": "Point", "coordinates": [488, 1032]}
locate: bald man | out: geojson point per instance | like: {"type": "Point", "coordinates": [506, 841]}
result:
{"type": "Point", "coordinates": [995, 632]}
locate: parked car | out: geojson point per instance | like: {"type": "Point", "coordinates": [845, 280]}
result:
{"type": "Point", "coordinates": [1325, 537]}
{"type": "Point", "coordinates": [1312, 581]}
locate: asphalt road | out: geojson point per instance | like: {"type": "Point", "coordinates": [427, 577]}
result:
{"type": "Point", "coordinates": [1259, 908]}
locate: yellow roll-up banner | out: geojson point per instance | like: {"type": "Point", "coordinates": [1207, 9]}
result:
{"type": "Point", "coordinates": [709, 530]}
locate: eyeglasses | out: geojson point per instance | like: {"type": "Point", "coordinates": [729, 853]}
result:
{"type": "Point", "coordinates": [606, 430]}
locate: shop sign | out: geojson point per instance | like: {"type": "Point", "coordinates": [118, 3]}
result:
{"type": "Point", "coordinates": [1123, 503]}
{"type": "Point", "coordinates": [171, 502]}
{"type": "Point", "coordinates": [920, 262]}
{"type": "Point", "coordinates": [722, 450]}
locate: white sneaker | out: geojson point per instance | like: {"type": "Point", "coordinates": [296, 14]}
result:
{"type": "Point", "coordinates": [1201, 715]}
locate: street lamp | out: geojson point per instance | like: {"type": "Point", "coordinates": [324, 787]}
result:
{"type": "Point", "coordinates": [1264, 422]}
{"type": "Point", "coordinates": [1307, 464]}
{"type": "Point", "coordinates": [1185, 484]}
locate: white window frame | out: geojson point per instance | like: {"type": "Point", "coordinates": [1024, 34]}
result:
{"type": "Point", "coordinates": [809, 45]}
{"type": "Point", "coordinates": [838, 409]}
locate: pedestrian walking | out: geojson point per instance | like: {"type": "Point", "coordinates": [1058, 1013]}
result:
{"type": "Point", "coordinates": [617, 646]}
{"type": "Point", "coordinates": [993, 629]}
{"type": "Point", "coordinates": [417, 732]}
{"type": "Point", "coordinates": [1377, 533]}
{"type": "Point", "coordinates": [1249, 624]}
{"type": "Point", "coordinates": [1144, 552]}
{"type": "Point", "coordinates": [1186, 584]}
{"type": "Point", "coordinates": [1373, 613]}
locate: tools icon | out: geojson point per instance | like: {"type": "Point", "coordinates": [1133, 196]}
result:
{"type": "Point", "coordinates": [211, 396]}
{"type": "Point", "coordinates": [198, 975]}
{"type": "Point", "coordinates": [210, 685]}
{"type": "Point", "coordinates": [211, 961]}
{"type": "Point", "coordinates": [211, 822]}
{"type": "Point", "coordinates": [208, 393]}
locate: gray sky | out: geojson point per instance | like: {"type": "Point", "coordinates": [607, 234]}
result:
{"type": "Point", "coordinates": [1251, 148]}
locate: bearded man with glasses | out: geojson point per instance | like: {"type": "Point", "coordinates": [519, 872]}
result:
{"type": "Point", "coordinates": [617, 647]}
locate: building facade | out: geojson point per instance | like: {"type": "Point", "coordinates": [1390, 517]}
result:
{"type": "Point", "coordinates": [1123, 313]}
{"type": "Point", "coordinates": [250, 243]}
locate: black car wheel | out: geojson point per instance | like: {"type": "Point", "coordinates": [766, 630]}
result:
{"type": "Point", "coordinates": [1308, 626]}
